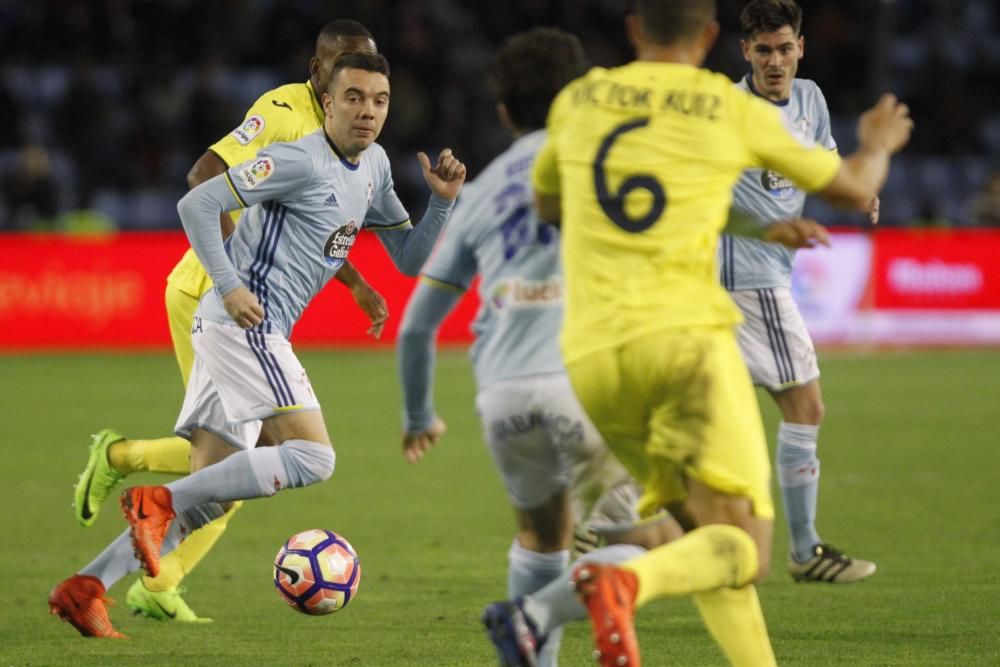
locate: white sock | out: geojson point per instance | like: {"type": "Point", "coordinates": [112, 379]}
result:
{"type": "Point", "coordinates": [798, 477]}
{"type": "Point", "coordinates": [255, 473]}
{"type": "Point", "coordinates": [556, 604]}
{"type": "Point", "coordinates": [117, 560]}
{"type": "Point", "coordinates": [528, 571]}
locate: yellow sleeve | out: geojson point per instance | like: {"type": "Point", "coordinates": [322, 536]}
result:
{"type": "Point", "coordinates": [545, 172]}
{"type": "Point", "coordinates": [811, 166]}
{"type": "Point", "coordinates": [263, 125]}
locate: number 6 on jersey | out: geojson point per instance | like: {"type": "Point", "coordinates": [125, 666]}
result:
{"type": "Point", "coordinates": [613, 204]}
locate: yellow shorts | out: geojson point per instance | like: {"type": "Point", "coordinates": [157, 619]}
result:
{"type": "Point", "coordinates": [185, 286]}
{"type": "Point", "coordinates": [679, 403]}
{"type": "Point", "coordinates": [181, 307]}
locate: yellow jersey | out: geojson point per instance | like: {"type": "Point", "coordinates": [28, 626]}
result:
{"type": "Point", "coordinates": [286, 113]}
{"type": "Point", "coordinates": [644, 158]}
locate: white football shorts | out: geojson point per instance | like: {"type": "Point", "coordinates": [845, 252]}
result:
{"type": "Point", "coordinates": [542, 442]}
{"type": "Point", "coordinates": [239, 378]}
{"type": "Point", "coordinates": [773, 339]}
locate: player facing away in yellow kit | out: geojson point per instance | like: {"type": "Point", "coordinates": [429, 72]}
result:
{"type": "Point", "coordinates": [639, 165]}
{"type": "Point", "coordinates": [286, 113]}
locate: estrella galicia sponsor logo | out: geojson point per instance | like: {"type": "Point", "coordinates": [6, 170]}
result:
{"type": "Point", "coordinates": [249, 130]}
{"type": "Point", "coordinates": [340, 243]}
{"type": "Point", "coordinates": [258, 172]}
{"type": "Point", "coordinates": [777, 185]}
{"type": "Point", "coordinates": [518, 293]}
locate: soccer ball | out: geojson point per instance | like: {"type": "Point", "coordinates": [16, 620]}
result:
{"type": "Point", "coordinates": [317, 572]}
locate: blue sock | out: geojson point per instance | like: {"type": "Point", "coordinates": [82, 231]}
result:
{"type": "Point", "coordinates": [529, 571]}
{"type": "Point", "coordinates": [798, 476]}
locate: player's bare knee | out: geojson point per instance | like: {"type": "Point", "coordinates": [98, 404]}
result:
{"type": "Point", "coordinates": [802, 404]}
{"type": "Point", "coordinates": [813, 411]}
{"type": "Point", "coordinates": [208, 449]}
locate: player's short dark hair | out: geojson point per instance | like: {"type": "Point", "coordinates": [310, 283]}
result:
{"type": "Point", "coordinates": [530, 68]}
{"type": "Point", "coordinates": [371, 62]}
{"type": "Point", "coordinates": [342, 28]}
{"type": "Point", "coordinates": [769, 16]}
{"type": "Point", "coordinates": [671, 21]}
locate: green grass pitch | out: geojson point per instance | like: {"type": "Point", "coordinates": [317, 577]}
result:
{"type": "Point", "coordinates": [910, 453]}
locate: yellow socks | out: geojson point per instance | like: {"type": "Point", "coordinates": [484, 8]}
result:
{"type": "Point", "coordinates": [179, 562]}
{"type": "Point", "coordinates": [709, 563]}
{"type": "Point", "coordinates": [705, 559]}
{"type": "Point", "coordinates": [170, 455]}
{"type": "Point", "coordinates": [734, 618]}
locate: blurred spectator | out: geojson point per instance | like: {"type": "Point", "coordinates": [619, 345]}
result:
{"type": "Point", "coordinates": [82, 126]}
{"type": "Point", "coordinates": [929, 215]}
{"type": "Point", "coordinates": [29, 192]}
{"type": "Point", "coordinates": [126, 95]}
{"type": "Point", "coordinates": [211, 115]}
{"type": "Point", "coordinates": [986, 203]}
{"type": "Point", "coordinates": [11, 131]}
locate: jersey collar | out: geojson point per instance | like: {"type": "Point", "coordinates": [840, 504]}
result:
{"type": "Point", "coordinates": [343, 160]}
{"type": "Point", "coordinates": [317, 109]}
{"type": "Point", "coordinates": [753, 89]}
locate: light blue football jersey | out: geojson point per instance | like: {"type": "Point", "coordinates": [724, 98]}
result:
{"type": "Point", "coordinates": [305, 205]}
{"type": "Point", "coordinates": [746, 263]}
{"type": "Point", "coordinates": [496, 233]}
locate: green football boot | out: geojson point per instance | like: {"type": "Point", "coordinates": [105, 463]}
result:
{"type": "Point", "coordinates": [165, 605]}
{"type": "Point", "coordinates": [98, 479]}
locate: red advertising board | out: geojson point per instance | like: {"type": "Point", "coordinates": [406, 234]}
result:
{"type": "Point", "coordinates": [936, 270]}
{"type": "Point", "coordinates": [106, 291]}
{"type": "Point", "coordinates": [892, 287]}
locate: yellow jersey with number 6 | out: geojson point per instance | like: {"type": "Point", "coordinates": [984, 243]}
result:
{"type": "Point", "coordinates": [644, 158]}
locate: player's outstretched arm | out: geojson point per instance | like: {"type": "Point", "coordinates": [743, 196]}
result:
{"type": "Point", "coordinates": [415, 353]}
{"type": "Point", "coordinates": [883, 131]}
{"type": "Point", "coordinates": [410, 246]}
{"type": "Point", "coordinates": [368, 299]}
{"type": "Point", "coordinates": [208, 166]}
{"type": "Point", "coordinates": [199, 209]}
{"type": "Point", "coordinates": [873, 210]}
{"type": "Point", "coordinates": [447, 175]}
{"type": "Point", "coordinates": [797, 233]}
{"type": "Point", "coordinates": [792, 233]}
{"type": "Point", "coordinates": [415, 445]}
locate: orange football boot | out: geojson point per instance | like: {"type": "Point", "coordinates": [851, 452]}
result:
{"type": "Point", "coordinates": [80, 601]}
{"type": "Point", "coordinates": [609, 594]}
{"type": "Point", "coordinates": [149, 511]}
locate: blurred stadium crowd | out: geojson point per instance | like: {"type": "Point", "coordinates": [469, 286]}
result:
{"type": "Point", "coordinates": [105, 104]}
